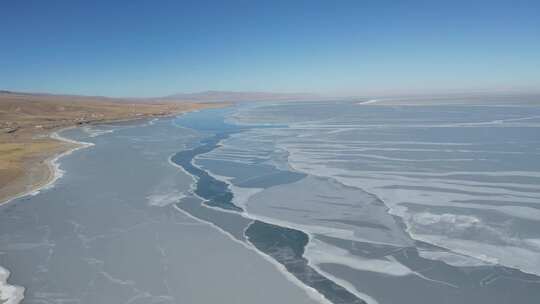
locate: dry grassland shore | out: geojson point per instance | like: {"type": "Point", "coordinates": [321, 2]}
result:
{"type": "Point", "coordinates": [28, 120]}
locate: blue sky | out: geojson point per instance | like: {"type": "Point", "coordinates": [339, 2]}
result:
{"type": "Point", "coordinates": [155, 48]}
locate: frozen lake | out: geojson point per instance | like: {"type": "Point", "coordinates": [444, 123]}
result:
{"type": "Point", "coordinates": [328, 202]}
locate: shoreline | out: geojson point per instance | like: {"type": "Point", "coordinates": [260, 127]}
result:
{"type": "Point", "coordinates": [53, 167]}
{"type": "Point", "coordinates": [50, 171]}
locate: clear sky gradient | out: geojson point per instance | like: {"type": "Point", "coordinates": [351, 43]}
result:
{"type": "Point", "coordinates": [156, 48]}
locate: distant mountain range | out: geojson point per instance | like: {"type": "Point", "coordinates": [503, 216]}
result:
{"type": "Point", "coordinates": [199, 97]}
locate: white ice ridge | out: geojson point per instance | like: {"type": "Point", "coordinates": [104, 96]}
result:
{"type": "Point", "coordinates": [368, 102]}
{"type": "Point", "coordinates": [164, 199]}
{"type": "Point", "coordinates": [319, 252]}
{"type": "Point", "coordinates": [9, 294]}
{"type": "Point", "coordinates": [93, 132]}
